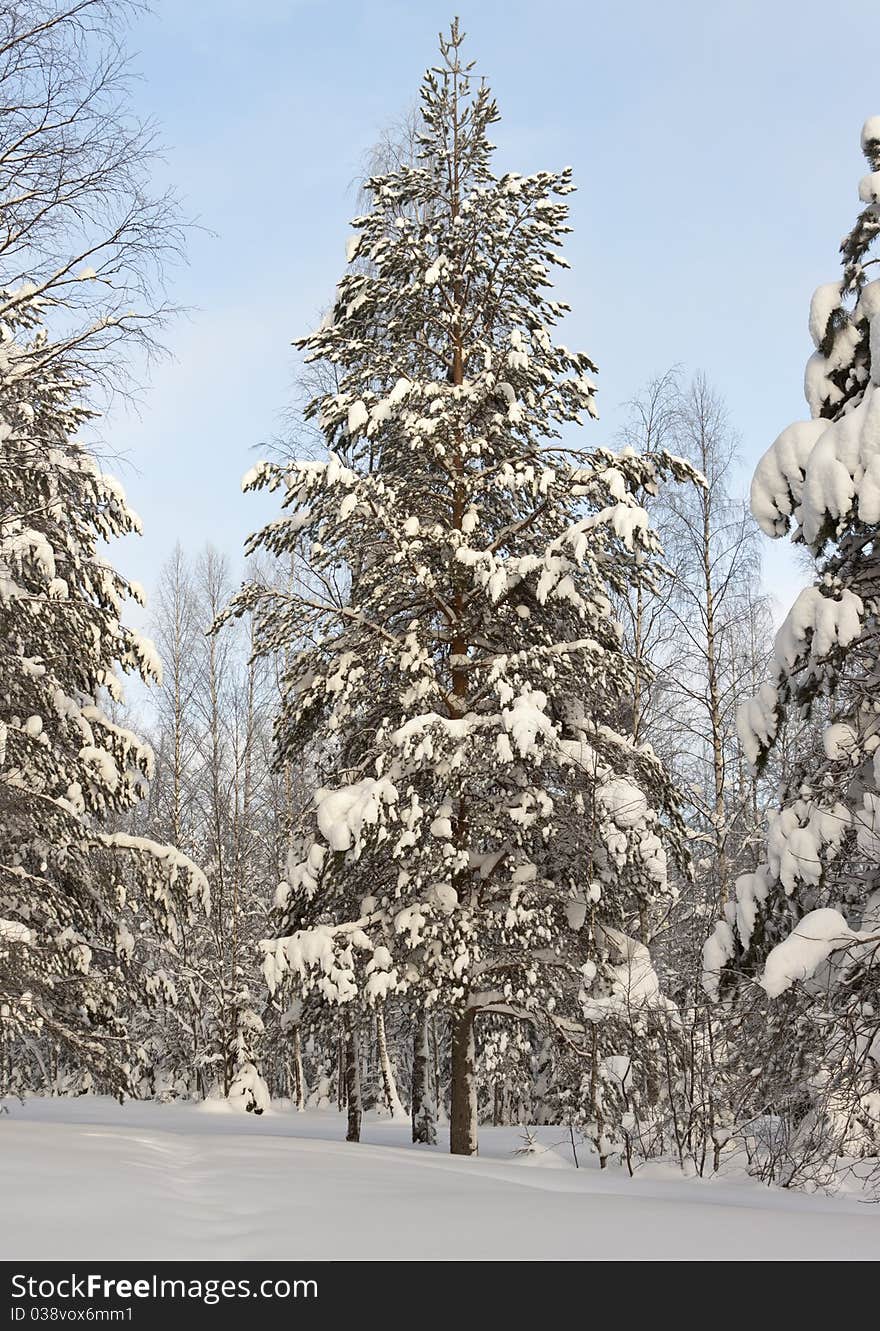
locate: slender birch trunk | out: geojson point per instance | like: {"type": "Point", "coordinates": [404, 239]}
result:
{"type": "Point", "coordinates": [424, 1121]}
{"type": "Point", "coordinates": [389, 1081]}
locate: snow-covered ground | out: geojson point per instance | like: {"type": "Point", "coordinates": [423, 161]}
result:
{"type": "Point", "coordinates": [93, 1179]}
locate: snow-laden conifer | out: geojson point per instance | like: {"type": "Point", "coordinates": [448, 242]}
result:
{"type": "Point", "coordinates": [75, 895]}
{"type": "Point", "coordinates": [482, 835]}
{"type": "Point", "coordinates": [811, 909]}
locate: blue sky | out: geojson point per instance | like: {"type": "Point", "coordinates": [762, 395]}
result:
{"type": "Point", "coordinates": [715, 147]}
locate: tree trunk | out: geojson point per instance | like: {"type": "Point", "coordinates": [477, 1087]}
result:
{"type": "Point", "coordinates": [438, 1089]}
{"type": "Point", "coordinates": [715, 719]}
{"type": "Point", "coordinates": [340, 1073]}
{"type": "Point", "coordinates": [298, 1079]}
{"type": "Point", "coordinates": [463, 1115]}
{"type": "Point", "coordinates": [353, 1080]}
{"type": "Point", "coordinates": [638, 648]}
{"type": "Point", "coordinates": [424, 1120]}
{"type": "Point", "coordinates": [389, 1082]}
{"type": "Point", "coordinates": [594, 1098]}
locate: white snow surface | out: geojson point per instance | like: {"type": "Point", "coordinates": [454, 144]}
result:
{"type": "Point", "coordinates": [343, 813]}
{"type": "Point", "coordinates": [870, 130]}
{"type": "Point", "coordinates": [11, 931]}
{"type": "Point", "coordinates": [826, 299]}
{"type": "Point", "coordinates": [95, 1180]}
{"type": "Point", "coordinates": [819, 469]}
{"type": "Point", "coordinates": [800, 955]}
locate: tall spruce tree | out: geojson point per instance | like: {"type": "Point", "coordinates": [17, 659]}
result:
{"type": "Point", "coordinates": [811, 911]}
{"type": "Point", "coordinates": [75, 896]}
{"type": "Point", "coordinates": [482, 836]}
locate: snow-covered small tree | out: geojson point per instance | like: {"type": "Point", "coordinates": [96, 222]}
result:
{"type": "Point", "coordinates": [75, 895]}
{"type": "Point", "coordinates": [810, 912]}
{"type": "Point", "coordinates": [482, 837]}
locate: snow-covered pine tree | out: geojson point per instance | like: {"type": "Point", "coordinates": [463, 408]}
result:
{"type": "Point", "coordinates": [482, 837]}
{"type": "Point", "coordinates": [811, 911]}
{"type": "Point", "coordinates": [74, 897]}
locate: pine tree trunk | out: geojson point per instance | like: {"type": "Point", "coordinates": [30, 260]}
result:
{"type": "Point", "coordinates": [463, 1114]}
{"type": "Point", "coordinates": [298, 1079]}
{"type": "Point", "coordinates": [424, 1123]}
{"type": "Point", "coordinates": [437, 1088]}
{"type": "Point", "coordinates": [353, 1080]}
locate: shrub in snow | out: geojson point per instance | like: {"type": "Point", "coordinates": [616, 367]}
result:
{"type": "Point", "coordinates": [248, 1090]}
